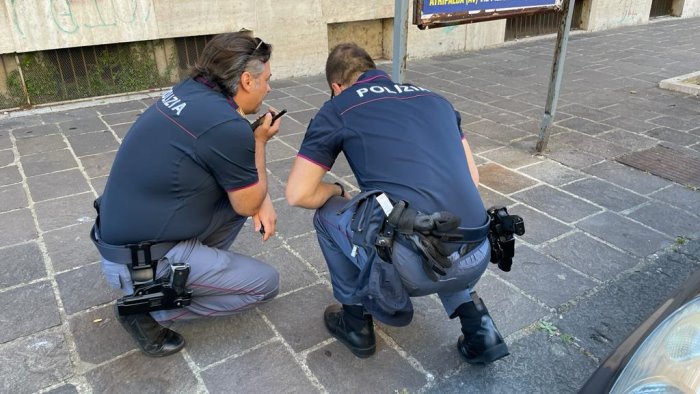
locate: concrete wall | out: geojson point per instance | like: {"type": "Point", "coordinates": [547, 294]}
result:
{"type": "Point", "coordinates": [40, 25]}
{"type": "Point", "coordinates": [689, 8]}
{"type": "Point", "coordinates": [7, 43]}
{"type": "Point", "coordinates": [607, 14]}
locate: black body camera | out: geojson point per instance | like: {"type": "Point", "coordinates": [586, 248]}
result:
{"type": "Point", "coordinates": [501, 230]}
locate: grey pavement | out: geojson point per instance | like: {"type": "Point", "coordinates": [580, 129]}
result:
{"type": "Point", "coordinates": [605, 242]}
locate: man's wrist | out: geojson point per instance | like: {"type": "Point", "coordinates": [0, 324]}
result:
{"type": "Point", "coordinates": [342, 188]}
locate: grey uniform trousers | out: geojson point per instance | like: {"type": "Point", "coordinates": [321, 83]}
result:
{"type": "Point", "coordinates": [222, 282]}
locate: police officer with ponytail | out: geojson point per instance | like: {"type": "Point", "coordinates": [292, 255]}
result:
{"type": "Point", "coordinates": [186, 177]}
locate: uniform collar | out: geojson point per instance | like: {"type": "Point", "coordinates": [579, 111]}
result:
{"type": "Point", "coordinates": [211, 85]}
{"type": "Point", "coordinates": [372, 76]}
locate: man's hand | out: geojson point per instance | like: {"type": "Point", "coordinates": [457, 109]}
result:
{"type": "Point", "coordinates": [266, 218]}
{"type": "Point", "coordinates": [266, 130]}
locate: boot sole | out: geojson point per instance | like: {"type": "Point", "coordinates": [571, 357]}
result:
{"type": "Point", "coordinates": [490, 355]}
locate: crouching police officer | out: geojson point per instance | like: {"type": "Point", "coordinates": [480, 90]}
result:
{"type": "Point", "coordinates": [418, 227]}
{"type": "Point", "coordinates": [187, 175]}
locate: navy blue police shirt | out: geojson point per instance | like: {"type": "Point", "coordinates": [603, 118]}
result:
{"type": "Point", "coordinates": [175, 166]}
{"type": "Point", "coordinates": [402, 139]}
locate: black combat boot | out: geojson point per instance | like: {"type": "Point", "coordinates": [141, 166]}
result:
{"type": "Point", "coordinates": [152, 338]}
{"type": "Point", "coordinates": [351, 326]}
{"type": "Point", "coordinates": [481, 342]}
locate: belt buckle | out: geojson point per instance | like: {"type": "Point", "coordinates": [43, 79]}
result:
{"type": "Point", "coordinates": [144, 247]}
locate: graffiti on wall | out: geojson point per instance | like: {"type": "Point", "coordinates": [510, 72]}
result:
{"type": "Point", "coordinates": [74, 16]}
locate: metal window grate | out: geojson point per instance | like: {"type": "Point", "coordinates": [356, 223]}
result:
{"type": "Point", "coordinates": [548, 22]}
{"type": "Point", "coordinates": [661, 8]}
{"type": "Point", "coordinates": [188, 50]}
{"type": "Point", "coordinates": [532, 25]}
{"type": "Point", "coordinates": [72, 73]}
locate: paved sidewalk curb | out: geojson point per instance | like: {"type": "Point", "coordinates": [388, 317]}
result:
{"type": "Point", "coordinates": [681, 84]}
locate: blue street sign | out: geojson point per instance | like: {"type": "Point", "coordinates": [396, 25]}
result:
{"type": "Point", "coordinates": [454, 6]}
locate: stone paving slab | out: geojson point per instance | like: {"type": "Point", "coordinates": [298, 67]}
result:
{"type": "Point", "coordinates": [562, 206]}
{"type": "Point", "coordinates": [669, 220]}
{"type": "Point", "coordinates": [90, 330]}
{"type": "Point", "coordinates": [7, 156]}
{"type": "Point", "coordinates": [273, 368]}
{"type": "Point", "coordinates": [531, 269]}
{"type": "Point", "coordinates": [627, 177]}
{"type": "Point", "coordinates": [240, 333]}
{"type": "Point", "coordinates": [22, 230]}
{"type": "Point", "coordinates": [308, 249]}
{"type": "Point", "coordinates": [34, 362]}
{"type": "Point", "coordinates": [430, 336]}
{"type": "Point", "coordinates": [597, 321]}
{"type": "Point", "coordinates": [680, 197]}
{"type": "Point", "coordinates": [57, 184]}
{"type": "Point", "coordinates": [28, 146]}
{"type": "Point", "coordinates": [590, 256]}
{"type": "Point", "coordinates": [5, 141]}
{"type": "Point", "coordinates": [552, 173]}
{"type": "Point", "coordinates": [9, 175]}
{"type": "Point", "coordinates": [13, 197]}
{"type": "Point", "coordinates": [36, 297]}
{"type": "Point", "coordinates": [87, 282]}
{"type": "Point", "coordinates": [502, 179]}
{"type": "Point", "coordinates": [559, 369]}
{"type": "Point", "coordinates": [28, 256]}
{"type": "Point", "coordinates": [588, 143]}
{"type": "Point", "coordinates": [625, 234]}
{"type": "Point", "coordinates": [628, 139]}
{"type": "Point", "coordinates": [386, 371]}
{"type": "Point", "coordinates": [136, 373]}
{"type": "Point", "coordinates": [510, 306]}
{"type": "Point", "coordinates": [46, 162]}
{"type": "Point", "coordinates": [294, 274]}
{"type": "Point", "coordinates": [65, 211]}
{"type": "Point", "coordinates": [575, 158]}
{"type": "Point", "coordinates": [604, 194]}
{"type": "Point", "coordinates": [604, 242]}
{"type": "Point", "coordinates": [98, 165]}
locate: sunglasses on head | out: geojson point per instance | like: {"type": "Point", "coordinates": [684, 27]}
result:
{"type": "Point", "coordinates": [259, 44]}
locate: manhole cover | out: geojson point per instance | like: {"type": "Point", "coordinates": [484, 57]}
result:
{"type": "Point", "coordinates": [667, 163]}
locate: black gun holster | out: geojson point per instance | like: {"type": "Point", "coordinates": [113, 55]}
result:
{"type": "Point", "coordinates": [435, 236]}
{"type": "Point", "coordinates": [150, 294]}
{"type": "Point", "coordinates": [501, 230]}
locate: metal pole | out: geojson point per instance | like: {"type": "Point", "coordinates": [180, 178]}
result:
{"type": "Point", "coordinates": [557, 71]}
{"type": "Point", "coordinates": [400, 39]}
